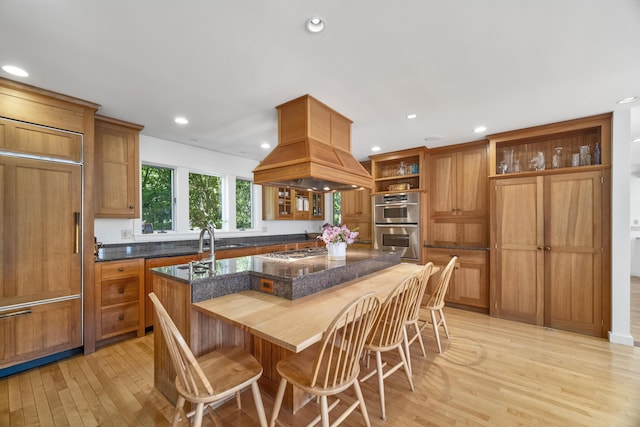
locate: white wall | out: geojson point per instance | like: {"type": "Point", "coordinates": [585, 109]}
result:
{"type": "Point", "coordinates": [620, 219]}
{"type": "Point", "coordinates": [635, 219]}
{"type": "Point", "coordinates": [160, 152]}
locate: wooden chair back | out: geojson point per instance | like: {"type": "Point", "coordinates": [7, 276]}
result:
{"type": "Point", "coordinates": [388, 331]}
{"type": "Point", "coordinates": [437, 299]}
{"type": "Point", "coordinates": [339, 353]}
{"type": "Point", "coordinates": [188, 371]}
{"type": "Point", "coordinates": [424, 276]}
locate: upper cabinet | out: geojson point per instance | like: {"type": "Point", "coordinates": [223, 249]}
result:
{"type": "Point", "coordinates": [399, 171]}
{"type": "Point", "coordinates": [573, 145]}
{"type": "Point", "coordinates": [117, 163]}
{"type": "Point", "coordinates": [284, 203]}
{"type": "Point", "coordinates": [458, 196]}
{"type": "Point", "coordinates": [459, 181]}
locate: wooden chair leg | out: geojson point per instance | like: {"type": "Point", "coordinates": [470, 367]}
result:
{"type": "Point", "coordinates": [363, 407]}
{"type": "Point", "coordinates": [277, 403]}
{"type": "Point", "coordinates": [435, 330]}
{"type": "Point", "coordinates": [324, 411]}
{"type": "Point", "coordinates": [406, 370]}
{"type": "Point", "coordinates": [197, 418]}
{"type": "Point", "coordinates": [179, 413]}
{"type": "Point", "coordinates": [406, 346]}
{"type": "Point", "coordinates": [257, 398]}
{"type": "Point", "coordinates": [444, 323]}
{"type": "Point", "coordinates": [383, 414]}
{"type": "Point", "coordinates": [238, 400]}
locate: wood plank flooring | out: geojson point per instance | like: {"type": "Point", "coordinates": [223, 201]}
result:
{"type": "Point", "coordinates": [493, 372]}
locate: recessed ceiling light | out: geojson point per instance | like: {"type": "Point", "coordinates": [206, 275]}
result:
{"type": "Point", "coordinates": [315, 24]}
{"type": "Point", "coordinates": [326, 189]}
{"type": "Point", "coordinates": [627, 100]}
{"type": "Point", "coordinates": [480, 129]}
{"type": "Point", "coordinates": [636, 140]}
{"type": "Point", "coordinates": [411, 116]}
{"type": "Point", "coordinates": [16, 71]}
{"type": "Point", "coordinates": [265, 145]}
{"type": "Point", "coordinates": [181, 120]}
{"type": "Point", "coordinates": [376, 148]}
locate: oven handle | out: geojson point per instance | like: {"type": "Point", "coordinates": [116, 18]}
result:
{"type": "Point", "coordinates": [397, 224]}
{"type": "Point", "coordinates": [396, 204]}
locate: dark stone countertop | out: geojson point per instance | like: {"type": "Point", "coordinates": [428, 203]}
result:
{"type": "Point", "coordinates": [291, 279]}
{"type": "Point", "coordinates": [113, 252]}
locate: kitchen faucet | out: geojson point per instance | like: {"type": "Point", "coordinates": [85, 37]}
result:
{"type": "Point", "coordinates": [210, 229]}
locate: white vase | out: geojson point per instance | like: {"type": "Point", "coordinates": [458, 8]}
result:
{"type": "Point", "coordinates": [337, 250]}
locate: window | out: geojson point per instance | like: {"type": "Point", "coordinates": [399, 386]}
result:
{"type": "Point", "coordinates": [337, 214]}
{"type": "Point", "coordinates": [244, 208]}
{"type": "Point", "coordinates": [205, 200]}
{"type": "Point", "coordinates": [157, 197]}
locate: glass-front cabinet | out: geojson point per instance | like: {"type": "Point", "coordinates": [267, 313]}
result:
{"type": "Point", "coordinates": [573, 145]}
{"type": "Point", "coordinates": [284, 203]}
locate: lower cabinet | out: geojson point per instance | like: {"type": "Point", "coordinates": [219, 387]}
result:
{"type": "Point", "coordinates": [469, 283]}
{"type": "Point", "coordinates": [39, 330]}
{"type": "Point", "coordinates": [119, 298]}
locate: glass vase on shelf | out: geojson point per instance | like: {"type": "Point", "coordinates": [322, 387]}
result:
{"type": "Point", "coordinates": [597, 154]}
{"type": "Point", "coordinates": [556, 161]}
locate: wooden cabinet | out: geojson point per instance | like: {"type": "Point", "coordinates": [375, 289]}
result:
{"type": "Point", "coordinates": [148, 279]}
{"type": "Point", "coordinates": [399, 171]}
{"type": "Point", "coordinates": [117, 178]}
{"type": "Point", "coordinates": [548, 250]}
{"type": "Point", "coordinates": [356, 212]}
{"type": "Point", "coordinates": [550, 245]}
{"type": "Point", "coordinates": [283, 203]}
{"type": "Point", "coordinates": [120, 298]}
{"type": "Point", "coordinates": [458, 196]}
{"type": "Point", "coordinates": [522, 146]}
{"type": "Point", "coordinates": [469, 285]}
{"type": "Point", "coordinates": [38, 330]}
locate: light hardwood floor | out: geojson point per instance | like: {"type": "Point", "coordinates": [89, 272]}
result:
{"type": "Point", "coordinates": [493, 372]}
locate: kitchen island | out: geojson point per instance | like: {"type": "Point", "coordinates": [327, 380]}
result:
{"type": "Point", "coordinates": [208, 327]}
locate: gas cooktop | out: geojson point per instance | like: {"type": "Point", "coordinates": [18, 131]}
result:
{"type": "Point", "coordinates": [295, 254]}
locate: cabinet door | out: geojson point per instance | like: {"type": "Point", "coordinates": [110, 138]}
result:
{"type": "Point", "coordinates": [117, 172]}
{"type": "Point", "coordinates": [517, 256]}
{"type": "Point", "coordinates": [35, 331]}
{"type": "Point", "coordinates": [40, 223]}
{"type": "Point", "coordinates": [148, 280]}
{"type": "Point", "coordinates": [469, 281]}
{"type": "Point", "coordinates": [471, 182]}
{"type": "Point", "coordinates": [573, 256]}
{"type": "Point", "coordinates": [443, 182]}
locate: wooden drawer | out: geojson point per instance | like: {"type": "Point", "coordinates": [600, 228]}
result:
{"type": "Point", "coordinates": [120, 291]}
{"type": "Point", "coordinates": [119, 269]}
{"type": "Point", "coordinates": [39, 330]}
{"type": "Point", "coordinates": [120, 319]}
{"type": "Point", "coordinates": [438, 256]}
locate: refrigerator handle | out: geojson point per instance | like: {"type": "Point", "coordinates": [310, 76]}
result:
{"type": "Point", "coordinates": [76, 248]}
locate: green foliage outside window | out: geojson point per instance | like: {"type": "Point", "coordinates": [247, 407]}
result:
{"type": "Point", "coordinates": [337, 215]}
{"type": "Point", "coordinates": [244, 219]}
{"type": "Point", "coordinates": [157, 197]}
{"type": "Point", "coordinates": [205, 201]}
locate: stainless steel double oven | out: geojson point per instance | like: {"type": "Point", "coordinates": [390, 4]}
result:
{"type": "Point", "coordinates": [397, 223]}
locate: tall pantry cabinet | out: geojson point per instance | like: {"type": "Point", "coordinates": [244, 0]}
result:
{"type": "Point", "coordinates": [46, 219]}
{"type": "Point", "coordinates": [549, 239]}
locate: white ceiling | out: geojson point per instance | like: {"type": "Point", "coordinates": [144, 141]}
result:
{"type": "Point", "coordinates": [225, 65]}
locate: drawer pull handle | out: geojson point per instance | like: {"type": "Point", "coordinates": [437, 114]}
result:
{"type": "Point", "coordinates": [121, 317]}
{"type": "Point", "coordinates": [121, 291]}
{"type": "Point", "coordinates": [121, 269]}
{"type": "Point", "coordinates": [15, 313]}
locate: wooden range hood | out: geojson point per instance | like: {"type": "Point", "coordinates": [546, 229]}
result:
{"type": "Point", "coordinates": [313, 151]}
